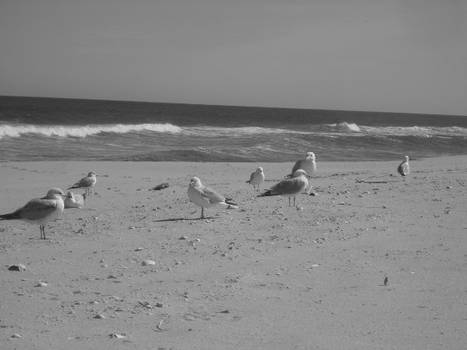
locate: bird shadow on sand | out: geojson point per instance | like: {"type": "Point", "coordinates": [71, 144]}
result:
{"type": "Point", "coordinates": [184, 219]}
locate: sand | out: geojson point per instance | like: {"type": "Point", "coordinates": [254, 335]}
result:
{"type": "Point", "coordinates": [264, 276]}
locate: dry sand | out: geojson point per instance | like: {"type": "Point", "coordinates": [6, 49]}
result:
{"type": "Point", "coordinates": [265, 276]}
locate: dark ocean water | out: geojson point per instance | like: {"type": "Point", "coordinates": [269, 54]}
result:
{"type": "Point", "coordinates": [66, 129]}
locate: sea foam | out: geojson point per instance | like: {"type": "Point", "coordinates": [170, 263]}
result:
{"type": "Point", "coordinates": [346, 127]}
{"type": "Point", "coordinates": [11, 130]}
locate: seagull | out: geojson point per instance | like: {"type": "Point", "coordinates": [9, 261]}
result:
{"type": "Point", "coordinates": [40, 210]}
{"type": "Point", "coordinates": [256, 178]}
{"type": "Point", "coordinates": [73, 200]}
{"type": "Point", "coordinates": [289, 187]}
{"type": "Point", "coordinates": [87, 182]}
{"type": "Point", "coordinates": [403, 167]}
{"type": "Point", "coordinates": [205, 197]}
{"type": "Point", "coordinates": [308, 164]}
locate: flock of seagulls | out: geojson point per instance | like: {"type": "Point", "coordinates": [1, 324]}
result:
{"type": "Point", "coordinates": [49, 208]}
{"type": "Point", "coordinates": [43, 210]}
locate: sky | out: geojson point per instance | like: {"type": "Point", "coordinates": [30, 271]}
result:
{"type": "Point", "coordinates": [376, 55]}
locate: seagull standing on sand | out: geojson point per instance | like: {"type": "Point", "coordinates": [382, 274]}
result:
{"type": "Point", "coordinates": [40, 210]}
{"type": "Point", "coordinates": [205, 197]}
{"type": "Point", "coordinates": [289, 187]}
{"type": "Point", "coordinates": [256, 178]}
{"type": "Point", "coordinates": [308, 164]}
{"type": "Point", "coordinates": [404, 168]}
{"type": "Point", "coordinates": [87, 182]}
{"type": "Point", "coordinates": [73, 200]}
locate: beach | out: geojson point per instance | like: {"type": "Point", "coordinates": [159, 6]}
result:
{"type": "Point", "coordinates": [137, 268]}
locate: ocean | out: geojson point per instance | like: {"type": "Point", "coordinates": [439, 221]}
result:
{"type": "Point", "coordinates": [71, 129]}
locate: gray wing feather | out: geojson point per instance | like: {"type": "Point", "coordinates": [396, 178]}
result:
{"type": "Point", "coordinates": [298, 165]}
{"type": "Point", "coordinates": [84, 182]}
{"type": "Point", "coordinates": [287, 186]}
{"type": "Point", "coordinates": [37, 209]}
{"type": "Point", "coordinates": [212, 195]}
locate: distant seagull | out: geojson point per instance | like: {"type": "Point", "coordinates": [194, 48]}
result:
{"type": "Point", "coordinates": [289, 187]}
{"type": "Point", "coordinates": [87, 182]}
{"type": "Point", "coordinates": [404, 168]}
{"type": "Point", "coordinates": [308, 164]}
{"type": "Point", "coordinates": [386, 281]}
{"type": "Point", "coordinates": [205, 197]}
{"type": "Point", "coordinates": [40, 210]}
{"type": "Point", "coordinates": [74, 200]}
{"type": "Point", "coordinates": [256, 178]}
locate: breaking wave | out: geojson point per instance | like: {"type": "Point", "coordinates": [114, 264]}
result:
{"type": "Point", "coordinates": [11, 130]}
{"type": "Point", "coordinates": [346, 127]}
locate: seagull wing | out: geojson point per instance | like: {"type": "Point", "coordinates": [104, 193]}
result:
{"type": "Point", "coordinates": [288, 186]}
{"type": "Point", "coordinates": [84, 182]}
{"type": "Point", "coordinates": [211, 195]}
{"type": "Point", "coordinates": [37, 209]}
{"type": "Point", "coordinates": [403, 168]}
{"type": "Point", "coordinates": [298, 165]}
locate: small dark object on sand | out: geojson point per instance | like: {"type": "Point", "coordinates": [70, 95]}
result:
{"type": "Point", "coordinates": [386, 280]}
{"type": "Point", "coordinates": [160, 187]}
{"type": "Point", "coordinates": [19, 267]}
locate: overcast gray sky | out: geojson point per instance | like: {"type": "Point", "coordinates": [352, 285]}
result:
{"type": "Point", "coordinates": [383, 55]}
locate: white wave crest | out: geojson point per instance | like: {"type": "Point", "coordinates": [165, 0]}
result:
{"type": "Point", "coordinates": [236, 131]}
{"type": "Point", "coordinates": [420, 131]}
{"type": "Point", "coordinates": [83, 131]}
{"type": "Point", "coordinates": [347, 127]}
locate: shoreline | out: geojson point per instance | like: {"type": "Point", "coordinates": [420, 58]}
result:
{"type": "Point", "coordinates": [237, 162]}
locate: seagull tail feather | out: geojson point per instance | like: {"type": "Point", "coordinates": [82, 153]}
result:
{"type": "Point", "coordinates": [266, 194]}
{"type": "Point", "coordinates": [10, 216]}
{"type": "Point", "coordinates": [230, 203]}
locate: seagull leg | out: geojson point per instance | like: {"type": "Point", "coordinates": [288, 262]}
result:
{"type": "Point", "coordinates": [202, 213]}
{"type": "Point", "coordinates": [41, 228]}
{"type": "Point", "coordinates": [289, 201]}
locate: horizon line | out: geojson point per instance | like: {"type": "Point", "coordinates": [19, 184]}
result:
{"type": "Point", "coordinates": [234, 106]}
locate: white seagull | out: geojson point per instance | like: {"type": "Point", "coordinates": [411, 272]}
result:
{"type": "Point", "coordinates": [308, 164]}
{"type": "Point", "coordinates": [40, 210]}
{"type": "Point", "coordinates": [205, 197]}
{"type": "Point", "coordinates": [74, 200]}
{"type": "Point", "coordinates": [87, 182]}
{"type": "Point", "coordinates": [256, 178]}
{"type": "Point", "coordinates": [289, 187]}
{"type": "Point", "coordinates": [404, 168]}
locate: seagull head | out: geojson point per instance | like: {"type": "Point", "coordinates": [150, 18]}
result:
{"type": "Point", "coordinates": [92, 173]}
{"type": "Point", "coordinates": [406, 158]}
{"type": "Point", "coordinates": [69, 195]}
{"type": "Point", "coordinates": [195, 182]}
{"type": "Point", "coordinates": [259, 170]}
{"type": "Point", "coordinates": [310, 155]}
{"type": "Point", "coordinates": [55, 193]}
